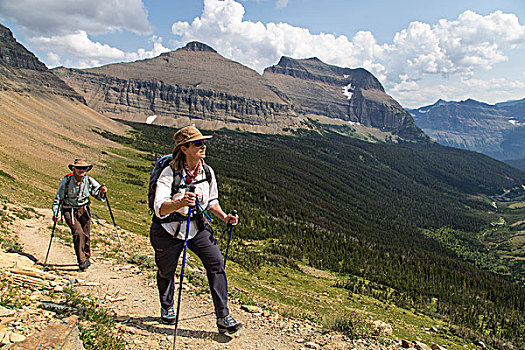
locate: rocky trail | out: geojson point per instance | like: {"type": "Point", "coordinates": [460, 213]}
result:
{"type": "Point", "coordinates": [130, 293]}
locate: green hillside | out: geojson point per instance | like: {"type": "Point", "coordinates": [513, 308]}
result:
{"type": "Point", "coordinates": [406, 219]}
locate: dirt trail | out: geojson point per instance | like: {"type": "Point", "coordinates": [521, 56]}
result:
{"type": "Point", "coordinates": [133, 296]}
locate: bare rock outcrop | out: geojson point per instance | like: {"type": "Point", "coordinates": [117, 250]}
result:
{"type": "Point", "coordinates": [22, 71]}
{"type": "Point", "coordinates": [194, 82]}
{"type": "Point", "coordinates": [354, 95]}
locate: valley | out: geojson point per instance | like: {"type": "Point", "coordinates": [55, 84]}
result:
{"type": "Point", "coordinates": [294, 197]}
{"type": "Point", "coordinates": [348, 210]}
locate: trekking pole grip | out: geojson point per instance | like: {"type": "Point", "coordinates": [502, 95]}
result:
{"type": "Point", "coordinates": [234, 213]}
{"type": "Point", "coordinates": [191, 188]}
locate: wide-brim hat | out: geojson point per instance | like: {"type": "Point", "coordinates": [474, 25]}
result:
{"type": "Point", "coordinates": [188, 134]}
{"type": "Point", "coordinates": [80, 162]}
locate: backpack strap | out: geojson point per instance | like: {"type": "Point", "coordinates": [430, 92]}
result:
{"type": "Point", "coordinates": [89, 189]}
{"type": "Point", "coordinates": [207, 172]}
{"type": "Point", "coordinates": [66, 186]}
{"type": "Point", "coordinates": [176, 185]}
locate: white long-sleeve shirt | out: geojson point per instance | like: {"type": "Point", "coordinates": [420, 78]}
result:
{"type": "Point", "coordinates": [207, 195]}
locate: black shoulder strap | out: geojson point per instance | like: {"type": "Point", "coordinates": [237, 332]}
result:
{"type": "Point", "coordinates": [207, 171]}
{"type": "Point", "coordinates": [66, 186]}
{"type": "Point", "coordinates": [175, 185]}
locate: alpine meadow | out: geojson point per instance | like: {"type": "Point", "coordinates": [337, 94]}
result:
{"type": "Point", "coordinates": [359, 226]}
{"type": "Point", "coordinates": [408, 224]}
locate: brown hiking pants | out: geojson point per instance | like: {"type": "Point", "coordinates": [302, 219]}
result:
{"type": "Point", "coordinates": [79, 221]}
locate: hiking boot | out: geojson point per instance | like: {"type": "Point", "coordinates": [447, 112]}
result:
{"type": "Point", "coordinates": [228, 324]}
{"type": "Point", "coordinates": [168, 315]}
{"type": "Point", "coordinates": [84, 266]}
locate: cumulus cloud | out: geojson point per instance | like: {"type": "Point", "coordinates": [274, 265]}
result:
{"type": "Point", "coordinates": [463, 46]}
{"type": "Point", "coordinates": [62, 29]}
{"type": "Point", "coordinates": [259, 45]}
{"type": "Point", "coordinates": [88, 53]}
{"type": "Point", "coordinates": [459, 47]}
{"type": "Point", "coordinates": [62, 17]}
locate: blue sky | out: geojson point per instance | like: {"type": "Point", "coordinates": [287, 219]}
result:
{"type": "Point", "coordinates": [421, 51]}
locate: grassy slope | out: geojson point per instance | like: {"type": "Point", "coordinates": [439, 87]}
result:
{"type": "Point", "coordinates": [40, 135]}
{"type": "Point", "coordinates": [266, 177]}
{"type": "Point", "coordinates": [127, 174]}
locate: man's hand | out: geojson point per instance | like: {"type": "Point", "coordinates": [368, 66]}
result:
{"type": "Point", "coordinates": [103, 190]}
{"type": "Point", "coordinates": [55, 218]}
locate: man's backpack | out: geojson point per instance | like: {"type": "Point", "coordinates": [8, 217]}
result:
{"type": "Point", "coordinates": [161, 163]}
{"type": "Point", "coordinates": [69, 177]}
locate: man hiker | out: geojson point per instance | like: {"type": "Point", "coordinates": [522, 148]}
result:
{"type": "Point", "coordinates": [72, 199]}
{"type": "Point", "coordinates": [168, 228]}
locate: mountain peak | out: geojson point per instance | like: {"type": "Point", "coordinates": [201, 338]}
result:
{"type": "Point", "coordinates": [197, 46]}
{"type": "Point", "coordinates": [5, 32]}
{"type": "Point", "coordinates": [15, 55]}
{"type": "Point", "coordinates": [472, 102]}
{"type": "Point", "coordinates": [313, 59]}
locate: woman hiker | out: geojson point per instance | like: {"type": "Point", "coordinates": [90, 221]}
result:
{"type": "Point", "coordinates": [73, 200]}
{"type": "Point", "coordinates": [168, 229]}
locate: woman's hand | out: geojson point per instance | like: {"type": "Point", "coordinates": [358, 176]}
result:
{"type": "Point", "coordinates": [174, 205]}
{"type": "Point", "coordinates": [188, 199]}
{"type": "Point", "coordinates": [231, 219]}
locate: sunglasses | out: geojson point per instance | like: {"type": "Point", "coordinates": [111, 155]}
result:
{"type": "Point", "coordinates": [199, 143]}
{"type": "Point", "coordinates": [82, 167]}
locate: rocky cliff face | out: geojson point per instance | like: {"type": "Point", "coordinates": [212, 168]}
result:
{"type": "Point", "coordinates": [138, 100]}
{"type": "Point", "coordinates": [193, 83]}
{"type": "Point", "coordinates": [354, 95]}
{"type": "Point", "coordinates": [21, 71]}
{"type": "Point", "coordinates": [496, 130]}
{"type": "Point", "coordinates": [14, 55]}
{"type": "Point", "coordinates": [196, 84]}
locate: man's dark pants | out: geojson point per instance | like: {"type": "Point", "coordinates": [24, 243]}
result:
{"type": "Point", "coordinates": [167, 251]}
{"type": "Point", "coordinates": [80, 225]}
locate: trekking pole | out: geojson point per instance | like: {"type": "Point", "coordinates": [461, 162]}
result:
{"type": "Point", "coordinates": [52, 232]}
{"type": "Point", "coordinates": [115, 224]}
{"type": "Point", "coordinates": [234, 213]}
{"type": "Point", "coordinates": [191, 189]}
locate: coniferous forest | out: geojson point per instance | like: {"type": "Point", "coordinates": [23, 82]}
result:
{"type": "Point", "coordinates": [365, 210]}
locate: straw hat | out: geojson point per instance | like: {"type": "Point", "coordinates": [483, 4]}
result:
{"type": "Point", "coordinates": [80, 162]}
{"type": "Point", "coordinates": [188, 134]}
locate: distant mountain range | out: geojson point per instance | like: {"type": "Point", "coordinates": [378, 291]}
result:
{"type": "Point", "coordinates": [378, 212]}
{"type": "Point", "coordinates": [495, 130]}
{"type": "Point", "coordinates": [196, 83]}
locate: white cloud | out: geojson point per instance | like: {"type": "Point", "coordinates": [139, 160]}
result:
{"type": "Point", "coordinates": [61, 29]}
{"type": "Point", "coordinates": [459, 47]}
{"type": "Point", "coordinates": [61, 17]}
{"type": "Point", "coordinates": [87, 53]}
{"type": "Point", "coordinates": [259, 45]}
{"type": "Point", "coordinates": [281, 3]}
{"type": "Point", "coordinates": [463, 46]}
{"type": "Point", "coordinates": [53, 59]}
